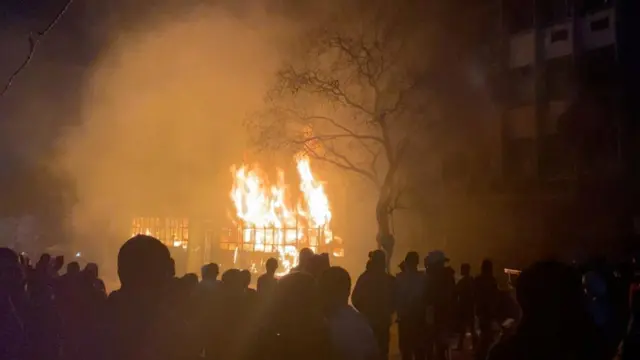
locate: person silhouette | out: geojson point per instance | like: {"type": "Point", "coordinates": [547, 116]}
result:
{"type": "Point", "coordinates": [555, 323]}
{"type": "Point", "coordinates": [439, 296]}
{"type": "Point", "coordinates": [140, 325]}
{"type": "Point", "coordinates": [486, 299]}
{"type": "Point", "coordinates": [304, 260]}
{"type": "Point", "coordinates": [13, 307]}
{"type": "Point", "coordinates": [350, 333]}
{"type": "Point", "coordinates": [465, 303]}
{"type": "Point", "coordinates": [373, 296]}
{"type": "Point", "coordinates": [410, 308]}
{"type": "Point", "coordinates": [267, 281]}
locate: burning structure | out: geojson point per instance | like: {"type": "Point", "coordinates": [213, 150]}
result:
{"type": "Point", "coordinates": [270, 223]}
{"type": "Point", "coordinates": [269, 220]}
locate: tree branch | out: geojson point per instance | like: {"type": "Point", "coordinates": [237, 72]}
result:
{"type": "Point", "coordinates": [348, 165]}
{"type": "Point", "coordinates": [361, 138]}
{"type": "Point", "coordinates": [34, 41]}
{"type": "Point", "coordinates": [345, 129]}
{"type": "Point", "coordinates": [331, 137]}
{"type": "Point", "coordinates": [330, 87]}
{"type": "Point", "coordinates": [361, 57]}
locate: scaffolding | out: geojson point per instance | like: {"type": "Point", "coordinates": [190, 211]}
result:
{"type": "Point", "coordinates": [255, 244]}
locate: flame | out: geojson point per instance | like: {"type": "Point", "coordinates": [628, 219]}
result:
{"type": "Point", "coordinates": [270, 224]}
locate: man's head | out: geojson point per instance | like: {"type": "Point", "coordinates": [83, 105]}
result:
{"type": "Point", "coordinates": [245, 276]}
{"type": "Point", "coordinates": [232, 279]}
{"type": "Point", "coordinates": [335, 286]}
{"type": "Point", "coordinates": [11, 274]}
{"type": "Point", "coordinates": [190, 282]}
{"type": "Point", "coordinates": [377, 260]}
{"type": "Point", "coordinates": [305, 257]}
{"type": "Point", "coordinates": [58, 263]}
{"type": "Point", "coordinates": [411, 261]}
{"type": "Point", "coordinates": [465, 269]}
{"type": "Point", "coordinates": [296, 300]}
{"type": "Point", "coordinates": [144, 262]}
{"type": "Point", "coordinates": [91, 270]}
{"type": "Point", "coordinates": [487, 267]}
{"type": "Point", "coordinates": [317, 265]}
{"type": "Point", "coordinates": [436, 259]}
{"type": "Point", "coordinates": [73, 268]}
{"type": "Point", "coordinates": [210, 272]}
{"type": "Point", "coordinates": [271, 265]}
{"type": "Point", "coordinates": [325, 261]}
{"type": "Point", "coordinates": [44, 262]}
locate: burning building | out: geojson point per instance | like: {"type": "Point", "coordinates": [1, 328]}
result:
{"type": "Point", "coordinates": [268, 220]}
{"type": "Point", "coordinates": [273, 220]}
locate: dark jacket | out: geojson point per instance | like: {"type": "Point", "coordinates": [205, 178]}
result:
{"type": "Point", "coordinates": [486, 296]}
{"type": "Point", "coordinates": [373, 296]}
{"type": "Point", "coordinates": [439, 296]}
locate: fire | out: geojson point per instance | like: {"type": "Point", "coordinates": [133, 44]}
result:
{"type": "Point", "coordinates": [270, 224]}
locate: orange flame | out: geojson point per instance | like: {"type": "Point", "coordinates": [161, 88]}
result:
{"type": "Point", "coordinates": [269, 223]}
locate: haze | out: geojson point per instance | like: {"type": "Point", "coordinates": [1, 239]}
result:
{"type": "Point", "coordinates": [162, 117]}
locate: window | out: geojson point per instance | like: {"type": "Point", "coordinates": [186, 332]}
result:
{"type": "Point", "coordinates": [173, 232]}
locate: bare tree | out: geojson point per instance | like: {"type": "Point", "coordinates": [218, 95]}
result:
{"type": "Point", "coordinates": [354, 99]}
{"type": "Point", "coordinates": [35, 38]}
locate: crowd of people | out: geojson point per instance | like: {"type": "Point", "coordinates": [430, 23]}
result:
{"type": "Point", "coordinates": [558, 311]}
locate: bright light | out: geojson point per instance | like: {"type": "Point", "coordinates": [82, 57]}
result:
{"type": "Point", "coordinates": [78, 254]}
{"type": "Point", "coordinates": [273, 225]}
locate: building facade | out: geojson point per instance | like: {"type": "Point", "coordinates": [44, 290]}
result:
{"type": "Point", "coordinates": [562, 111]}
{"type": "Point", "coordinates": [569, 105]}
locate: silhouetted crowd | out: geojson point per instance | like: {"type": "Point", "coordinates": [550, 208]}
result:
{"type": "Point", "coordinates": [552, 311]}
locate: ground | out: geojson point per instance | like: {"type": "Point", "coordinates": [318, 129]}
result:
{"type": "Point", "coordinates": [395, 352]}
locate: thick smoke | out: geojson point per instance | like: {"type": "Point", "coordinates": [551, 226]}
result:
{"type": "Point", "coordinates": [163, 115]}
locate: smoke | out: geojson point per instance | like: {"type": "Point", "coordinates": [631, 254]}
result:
{"type": "Point", "coordinates": [162, 117]}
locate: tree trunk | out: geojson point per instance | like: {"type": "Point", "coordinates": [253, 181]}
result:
{"type": "Point", "coordinates": [385, 238]}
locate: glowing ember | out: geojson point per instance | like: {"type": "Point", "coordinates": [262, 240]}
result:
{"type": "Point", "coordinates": [269, 224]}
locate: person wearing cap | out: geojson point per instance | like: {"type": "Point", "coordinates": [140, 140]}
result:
{"type": "Point", "coordinates": [410, 311]}
{"type": "Point", "coordinates": [373, 297]}
{"type": "Point", "coordinates": [439, 290]}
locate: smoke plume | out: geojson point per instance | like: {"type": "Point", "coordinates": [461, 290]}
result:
{"type": "Point", "coordinates": [162, 117]}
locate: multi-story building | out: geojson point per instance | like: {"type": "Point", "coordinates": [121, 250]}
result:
{"type": "Point", "coordinates": [565, 105]}
{"type": "Point", "coordinates": [569, 104]}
